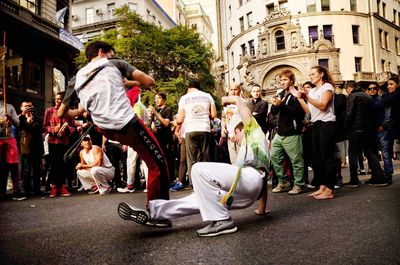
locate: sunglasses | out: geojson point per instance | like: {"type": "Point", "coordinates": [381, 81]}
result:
{"type": "Point", "coordinates": [373, 88]}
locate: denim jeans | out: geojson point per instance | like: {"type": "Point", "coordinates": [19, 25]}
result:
{"type": "Point", "coordinates": [358, 141]}
{"type": "Point", "coordinates": [386, 147]}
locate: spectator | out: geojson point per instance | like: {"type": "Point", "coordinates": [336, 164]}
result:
{"type": "Point", "coordinates": [181, 181]}
{"type": "Point", "coordinates": [59, 130]}
{"type": "Point", "coordinates": [95, 169]}
{"type": "Point", "coordinates": [230, 118]}
{"type": "Point", "coordinates": [340, 101]}
{"type": "Point", "coordinates": [320, 104]}
{"type": "Point", "coordinates": [361, 127]}
{"type": "Point", "coordinates": [8, 150]}
{"type": "Point", "coordinates": [161, 118]}
{"type": "Point", "coordinates": [260, 107]}
{"type": "Point", "coordinates": [391, 101]}
{"type": "Point", "coordinates": [196, 108]}
{"type": "Point", "coordinates": [307, 142]}
{"type": "Point", "coordinates": [115, 151]}
{"type": "Point", "coordinates": [31, 148]}
{"type": "Point", "coordinates": [288, 137]}
{"type": "Point", "coordinates": [133, 159]}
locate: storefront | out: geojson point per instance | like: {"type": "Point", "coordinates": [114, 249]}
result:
{"type": "Point", "coordinates": [40, 56]}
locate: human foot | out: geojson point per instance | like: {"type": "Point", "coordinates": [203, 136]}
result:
{"type": "Point", "coordinates": [327, 194]}
{"type": "Point", "coordinates": [262, 212]}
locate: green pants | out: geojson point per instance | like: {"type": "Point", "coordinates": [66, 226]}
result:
{"type": "Point", "coordinates": [293, 147]}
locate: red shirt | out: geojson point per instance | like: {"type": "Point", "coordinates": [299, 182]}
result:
{"type": "Point", "coordinates": [51, 120]}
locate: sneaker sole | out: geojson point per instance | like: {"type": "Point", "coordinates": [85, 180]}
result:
{"type": "Point", "coordinates": [351, 185]}
{"type": "Point", "coordinates": [226, 231]}
{"type": "Point", "coordinates": [283, 190]}
{"type": "Point", "coordinates": [127, 212]}
{"type": "Point", "coordinates": [378, 185]}
{"type": "Point", "coordinates": [156, 224]}
{"type": "Point", "coordinates": [126, 191]}
{"type": "Point", "coordinates": [20, 199]}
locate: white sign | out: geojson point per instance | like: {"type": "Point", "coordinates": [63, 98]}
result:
{"type": "Point", "coordinates": [67, 37]}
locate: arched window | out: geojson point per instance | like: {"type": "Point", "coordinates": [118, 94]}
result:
{"type": "Point", "coordinates": [280, 40]}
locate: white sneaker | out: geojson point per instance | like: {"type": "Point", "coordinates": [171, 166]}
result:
{"type": "Point", "coordinates": [126, 190]}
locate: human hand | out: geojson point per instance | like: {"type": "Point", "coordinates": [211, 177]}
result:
{"type": "Point", "coordinates": [276, 100]}
{"type": "Point", "coordinates": [124, 148]}
{"type": "Point", "coordinates": [298, 94]}
{"type": "Point", "coordinates": [78, 166]}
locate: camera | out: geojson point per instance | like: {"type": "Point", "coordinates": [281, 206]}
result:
{"type": "Point", "coordinates": [32, 109]}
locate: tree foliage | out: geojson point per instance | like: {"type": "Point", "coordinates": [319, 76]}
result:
{"type": "Point", "coordinates": [171, 56]}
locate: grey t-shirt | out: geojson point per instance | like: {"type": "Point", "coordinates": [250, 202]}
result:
{"type": "Point", "coordinates": [104, 96]}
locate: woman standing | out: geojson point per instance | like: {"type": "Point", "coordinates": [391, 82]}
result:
{"type": "Point", "coordinates": [320, 104]}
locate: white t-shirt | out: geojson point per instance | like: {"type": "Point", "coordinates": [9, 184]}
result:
{"type": "Point", "coordinates": [104, 97]}
{"type": "Point", "coordinates": [317, 114]}
{"type": "Point", "coordinates": [89, 157]}
{"type": "Point", "coordinates": [232, 118]}
{"type": "Point", "coordinates": [197, 105]}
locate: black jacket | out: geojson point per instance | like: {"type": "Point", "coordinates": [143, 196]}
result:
{"type": "Point", "coordinates": [260, 111]}
{"type": "Point", "coordinates": [291, 115]}
{"type": "Point", "coordinates": [360, 114]}
{"type": "Point", "coordinates": [340, 113]}
{"type": "Point", "coordinates": [392, 101]}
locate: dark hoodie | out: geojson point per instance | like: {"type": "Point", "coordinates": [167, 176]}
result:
{"type": "Point", "coordinates": [291, 115]}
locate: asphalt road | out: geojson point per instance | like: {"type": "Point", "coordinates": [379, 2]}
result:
{"type": "Point", "coordinates": [360, 226]}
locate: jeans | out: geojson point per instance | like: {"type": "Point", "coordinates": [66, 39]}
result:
{"type": "Point", "coordinates": [31, 172]}
{"type": "Point", "coordinates": [358, 141]}
{"type": "Point", "coordinates": [58, 168]}
{"type": "Point", "coordinates": [386, 146]}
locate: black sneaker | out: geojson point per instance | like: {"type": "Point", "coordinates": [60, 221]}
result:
{"type": "Point", "coordinates": [377, 183]}
{"type": "Point", "coordinates": [137, 215]}
{"type": "Point", "coordinates": [19, 197]}
{"type": "Point", "coordinates": [218, 228]}
{"type": "Point", "coordinates": [352, 184]}
{"type": "Point", "coordinates": [389, 179]}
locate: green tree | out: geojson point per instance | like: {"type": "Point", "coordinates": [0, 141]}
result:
{"type": "Point", "coordinates": [171, 56]}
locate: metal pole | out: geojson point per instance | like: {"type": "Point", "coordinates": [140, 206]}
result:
{"type": "Point", "coordinates": [4, 63]}
{"type": "Point", "coordinates": [4, 72]}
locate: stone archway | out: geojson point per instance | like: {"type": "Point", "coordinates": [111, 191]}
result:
{"type": "Point", "coordinates": [271, 80]}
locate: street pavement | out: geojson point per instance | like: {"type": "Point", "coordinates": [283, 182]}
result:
{"type": "Point", "coordinates": [360, 226]}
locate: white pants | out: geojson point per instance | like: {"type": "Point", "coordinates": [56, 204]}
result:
{"type": "Point", "coordinates": [132, 157]}
{"type": "Point", "coordinates": [211, 181]}
{"type": "Point", "coordinates": [98, 176]}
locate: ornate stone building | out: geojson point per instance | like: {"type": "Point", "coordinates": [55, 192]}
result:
{"type": "Point", "coordinates": [355, 40]}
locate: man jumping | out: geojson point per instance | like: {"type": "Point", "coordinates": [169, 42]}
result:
{"type": "Point", "coordinates": [100, 88]}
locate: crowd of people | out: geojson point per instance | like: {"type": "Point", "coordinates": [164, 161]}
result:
{"type": "Point", "coordinates": [226, 160]}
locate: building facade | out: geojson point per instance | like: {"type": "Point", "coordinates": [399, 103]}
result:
{"type": "Point", "coordinates": [356, 40]}
{"type": "Point", "coordinates": [199, 20]}
{"type": "Point", "coordinates": [40, 50]}
{"type": "Point", "coordinates": [91, 18]}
